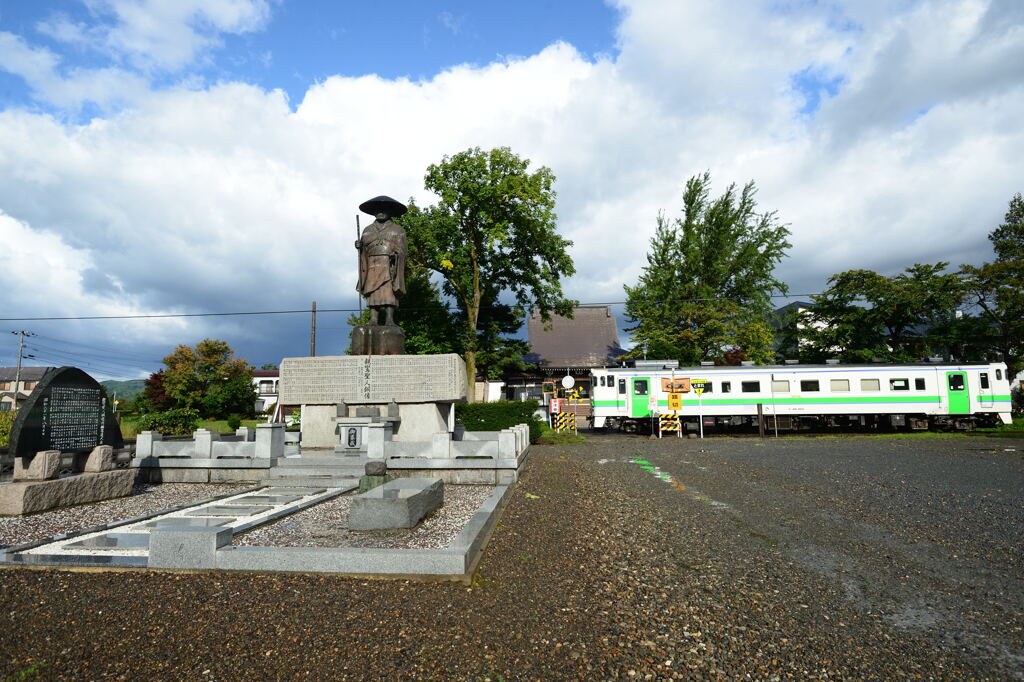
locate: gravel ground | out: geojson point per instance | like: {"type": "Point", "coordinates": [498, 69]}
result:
{"type": "Point", "coordinates": [326, 525]}
{"type": "Point", "coordinates": [726, 559]}
{"type": "Point", "coordinates": [145, 498]}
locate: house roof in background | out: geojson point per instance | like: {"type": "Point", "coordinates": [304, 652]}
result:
{"type": "Point", "coordinates": [262, 373]}
{"type": "Point", "coordinates": [589, 339]}
{"type": "Point", "coordinates": [27, 373]}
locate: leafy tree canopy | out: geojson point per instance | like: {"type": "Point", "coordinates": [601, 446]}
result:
{"type": "Point", "coordinates": [209, 378]}
{"type": "Point", "coordinates": [492, 232]}
{"type": "Point", "coordinates": [1008, 238]}
{"type": "Point", "coordinates": [863, 315]}
{"type": "Point", "coordinates": [705, 293]}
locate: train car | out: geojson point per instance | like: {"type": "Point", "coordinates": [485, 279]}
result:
{"type": "Point", "coordinates": [913, 396]}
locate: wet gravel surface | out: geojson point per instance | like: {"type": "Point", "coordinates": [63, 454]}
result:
{"type": "Point", "coordinates": [145, 499]}
{"type": "Point", "coordinates": [326, 525]}
{"type": "Point", "coordinates": [722, 559]}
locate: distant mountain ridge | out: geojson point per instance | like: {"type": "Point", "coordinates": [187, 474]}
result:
{"type": "Point", "coordinates": [125, 390]}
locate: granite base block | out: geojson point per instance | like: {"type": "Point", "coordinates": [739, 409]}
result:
{"type": "Point", "coordinates": [401, 503]}
{"type": "Point", "coordinates": [29, 497]}
{"type": "Point", "coordinates": [185, 547]}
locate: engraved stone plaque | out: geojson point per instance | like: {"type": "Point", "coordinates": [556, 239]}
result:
{"type": "Point", "coordinates": [328, 380]}
{"type": "Point", "coordinates": [68, 411]}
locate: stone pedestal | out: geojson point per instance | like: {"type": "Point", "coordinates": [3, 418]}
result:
{"type": "Point", "coordinates": [29, 497]}
{"type": "Point", "coordinates": [412, 393]}
{"type": "Point", "coordinates": [379, 339]}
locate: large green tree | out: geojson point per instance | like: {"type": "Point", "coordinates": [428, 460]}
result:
{"type": "Point", "coordinates": [863, 315]}
{"type": "Point", "coordinates": [705, 293]}
{"type": "Point", "coordinates": [996, 289]}
{"type": "Point", "coordinates": [209, 378]}
{"type": "Point", "coordinates": [492, 232]}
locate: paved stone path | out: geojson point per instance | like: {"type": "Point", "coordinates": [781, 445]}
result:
{"type": "Point", "coordinates": [815, 559]}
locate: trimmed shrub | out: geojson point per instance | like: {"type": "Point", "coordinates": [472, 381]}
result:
{"type": "Point", "coordinates": [180, 422]}
{"type": "Point", "coordinates": [6, 424]}
{"type": "Point", "coordinates": [499, 415]}
{"type": "Point", "coordinates": [234, 421]}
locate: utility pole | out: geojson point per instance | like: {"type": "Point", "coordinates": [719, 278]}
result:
{"type": "Point", "coordinates": [17, 375]}
{"type": "Point", "coordinates": [312, 334]}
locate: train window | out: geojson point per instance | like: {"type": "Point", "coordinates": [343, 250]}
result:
{"type": "Point", "coordinates": [839, 385]}
{"type": "Point", "coordinates": [999, 375]}
{"type": "Point", "coordinates": [709, 387]}
{"type": "Point", "coordinates": [780, 386]}
{"type": "Point", "coordinates": [919, 384]}
{"type": "Point", "coordinates": [726, 387]}
{"type": "Point", "coordinates": [870, 385]}
{"type": "Point", "coordinates": [750, 386]}
{"type": "Point", "coordinates": [809, 386]}
{"type": "Point", "coordinates": [622, 385]}
{"type": "Point", "coordinates": [984, 379]}
{"type": "Point", "coordinates": [640, 387]}
{"type": "Point", "coordinates": [956, 382]}
{"type": "Point", "coordinates": [899, 385]}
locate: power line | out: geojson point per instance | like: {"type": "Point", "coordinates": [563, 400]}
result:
{"type": "Point", "coordinates": [330, 310]}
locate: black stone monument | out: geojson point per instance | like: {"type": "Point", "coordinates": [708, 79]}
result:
{"type": "Point", "coordinates": [68, 411]}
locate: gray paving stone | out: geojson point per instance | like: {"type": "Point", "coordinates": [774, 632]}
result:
{"type": "Point", "coordinates": [188, 522]}
{"type": "Point", "coordinates": [226, 510]}
{"type": "Point", "coordinates": [113, 541]}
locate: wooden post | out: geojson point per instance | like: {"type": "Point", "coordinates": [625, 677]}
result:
{"type": "Point", "coordinates": [760, 420]}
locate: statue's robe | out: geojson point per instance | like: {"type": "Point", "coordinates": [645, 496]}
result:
{"type": "Point", "coordinates": [382, 251]}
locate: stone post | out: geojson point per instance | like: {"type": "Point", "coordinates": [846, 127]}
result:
{"type": "Point", "coordinates": [247, 433]}
{"type": "Point", "coordinates": [41, 466]}
{"type": "Point", "coordinates": [269, 440]}
{"type": "Point", "coordinates": [204, 443]}
{"type": "Point", "coordinates": [144, 443]}
{"type": "Point", "coordinates": [507, 444]}
{"type": "Point", "coordinates": [441, 446]}
{"type": "Point", "coordinates": [100, 459]}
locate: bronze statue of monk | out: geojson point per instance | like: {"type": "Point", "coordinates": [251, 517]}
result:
{"type": "Point", "coordinates": [382, 252]}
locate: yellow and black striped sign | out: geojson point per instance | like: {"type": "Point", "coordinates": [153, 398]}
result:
{"type": "Point", "coordinates": [670, 422]}
{"type": "Point", "coordinates": [563, 421]}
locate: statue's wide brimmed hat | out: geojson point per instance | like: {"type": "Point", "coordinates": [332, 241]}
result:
{"type": "Point", "coordinates": [383, 204]}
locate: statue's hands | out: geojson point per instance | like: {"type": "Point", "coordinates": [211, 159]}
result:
{"type": "Point", "coordinates": [358, 242]}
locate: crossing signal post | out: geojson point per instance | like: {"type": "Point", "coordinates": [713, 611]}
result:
{"type": "Point", "coordinates": [698, 388]}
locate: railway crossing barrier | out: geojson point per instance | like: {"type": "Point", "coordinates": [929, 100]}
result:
{"type": "Point", "coordinates": [670, 422]}
{"type": "Point", "coordinates": [563, 421]}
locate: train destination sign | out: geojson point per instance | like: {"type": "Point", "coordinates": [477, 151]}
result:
{"type": "Point", "coordinates": [68, 411]}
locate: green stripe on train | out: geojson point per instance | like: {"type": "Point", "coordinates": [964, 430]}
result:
{"type": "Point", "coordinates": [852, 400]}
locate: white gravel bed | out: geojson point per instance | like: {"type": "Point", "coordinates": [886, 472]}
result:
{"type": "Point", "coordinates": [326, 525]}
{"type": "Point", "coordinates": [145, 499]}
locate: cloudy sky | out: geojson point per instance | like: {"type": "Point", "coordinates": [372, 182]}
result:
{"type": "Point", "coordinates": [205, 156]}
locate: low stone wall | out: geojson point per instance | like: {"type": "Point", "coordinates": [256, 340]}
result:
{"type": "Point", "coordinates": [207, 458]}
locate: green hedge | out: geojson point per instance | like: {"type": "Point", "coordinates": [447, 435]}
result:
{"type": "Point", "coordinates": [179, 422]}
{"type": "Point", "coordinates": [499, 415]}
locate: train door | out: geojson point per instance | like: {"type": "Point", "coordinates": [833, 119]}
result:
{"type": "Point", "coordinates": [957, 393]}
{"type": "Point", "coordinates": [985, 392]}
{"type": "Point", "coordinates": [640, 391]}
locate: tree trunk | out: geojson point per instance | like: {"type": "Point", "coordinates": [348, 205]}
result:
{"type": "Point", "coordinates": [471, 376]}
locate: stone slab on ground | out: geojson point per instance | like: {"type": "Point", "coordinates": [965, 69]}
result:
{"type": "Point", "coordinates": [29, 497]}
{"type": "Point", "coordinates": [400, 503]}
